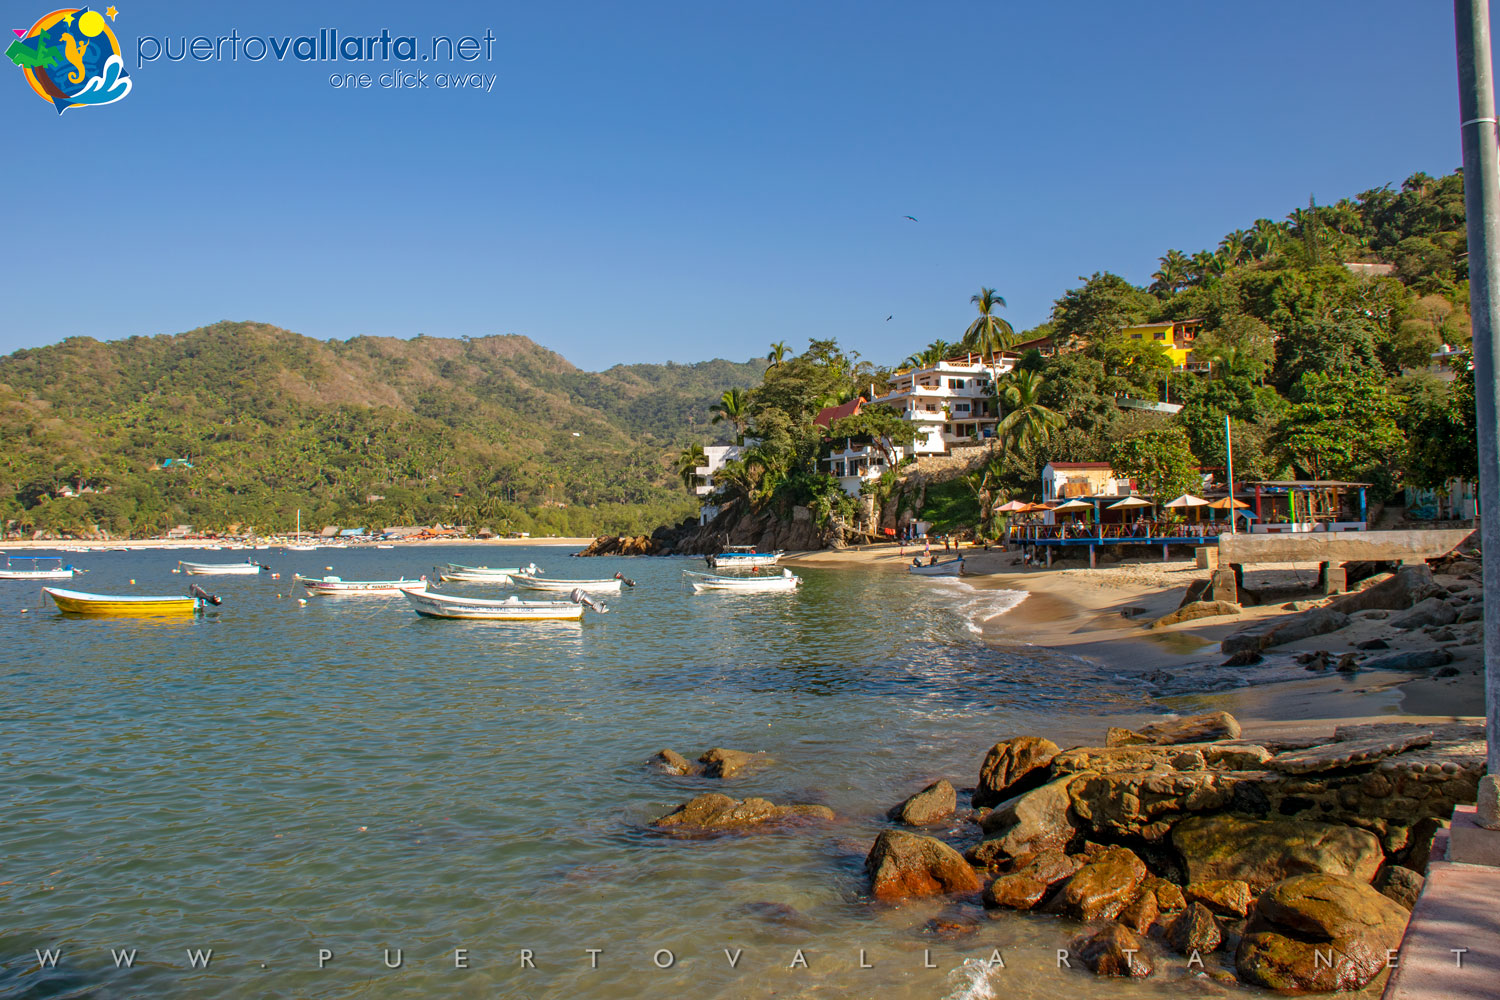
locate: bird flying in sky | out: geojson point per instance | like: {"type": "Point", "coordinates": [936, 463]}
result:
{"type": "Point", "coordinates": [911, 217]}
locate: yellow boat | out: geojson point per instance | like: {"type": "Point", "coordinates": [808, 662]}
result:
{"type": "Point", "coordinates": [78, 603]}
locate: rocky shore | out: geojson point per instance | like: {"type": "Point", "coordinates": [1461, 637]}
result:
{"type": "Point", "coordinates": [1290, 865]}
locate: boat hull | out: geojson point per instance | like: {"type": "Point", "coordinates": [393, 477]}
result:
{"type": "Point", "coordinates": [42, 574]}
{"type": "Point", "coordinates": [76, 603]}
{"type": "Point", "coordinates": [759, 560]}
{"type": "Point", "coordinates": [706, 583]}
{"type": "Point", "coordinates": [951, 568]}
{"type": "Point", "coordinates": [567, 586]}
{"type": "Point", "coordinates": [463, 576]}
{"type": "Point", "coordinates": [430, 605]}
{"type": "Point", "coordinates": [220, 569]}
{"type": "Point", "coordinates": [358, 588]}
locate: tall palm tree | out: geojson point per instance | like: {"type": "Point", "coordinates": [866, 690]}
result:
{"type": "Point", "coordinates": [1173, 274]}
{"type": "Point", "coordinates": [1265, 238]}
{"type": "Point", "coordinates": [988, 333]}
{"type": "Point", "coordinates": [1233, 247]}
{"type": "Point", "coordinates": [1028, 423]}
{"type": "Point", "coordinates": [689, 462]}
{"type": "Point", "coordinates": [733, 406]}
{"type": "Point", "coordinates": [777, 354]}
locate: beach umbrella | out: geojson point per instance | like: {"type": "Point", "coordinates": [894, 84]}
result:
{"type": "Point", "coordinates": [1129, 502]}
{"type": "Point", "coordinates": [1186, 500]}
{"type": "Point", "coordinates": [1225, 503]}
{"type": "Point", "coordinates": [1011, 507]}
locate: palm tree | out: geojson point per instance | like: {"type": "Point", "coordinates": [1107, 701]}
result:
{"type": "Point", "coordinates": [733, 406]}
{"type": "Point", "coordinates": [989, 333]}
{"type": "Point", "coordinates": [1028, 423]}
{"type": "Point", "coordinates": [1265, 238]}
{"type": "Point", "coordinates": [689, 462]}
{"type": "Point", "coordinates": [929, 355]}
{"type": "Point", "coordinates": [778, 353]}
{"type": "Point", "coordinates": [1172, 277]}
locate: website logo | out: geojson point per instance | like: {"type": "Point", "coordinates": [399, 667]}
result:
{"type": "Point", "coordinates": [71, 58]}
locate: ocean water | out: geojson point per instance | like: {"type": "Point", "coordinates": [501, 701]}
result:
{"type": "Point", "coordinates": [344, 784]}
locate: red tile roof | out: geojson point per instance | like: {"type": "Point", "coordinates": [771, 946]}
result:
{"type": "Point", "coordinates": [828, 414]}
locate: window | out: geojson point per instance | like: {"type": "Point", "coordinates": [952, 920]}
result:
{"type": "Point", "coordinates": [1135, 336]}
{"type": "Point", "coordinates": [1161, 336]}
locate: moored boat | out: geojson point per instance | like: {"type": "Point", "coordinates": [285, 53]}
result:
{"type": "Point", "coordinates": [705, 582]}
{"type": "Point", "coordinates": [498, 575]}
{"type": "Point", "coordinates": [532, 582]}
{"type": "Point", "coordinates": [431, 604]}
{"type": "Point", "coordinates": [743, 557]}
{"type": "Point", "coordinates": [953, 567]}
{"type": "Point", "coordinates": [36, 568]}
{"type": "Point", "coordinates": [120, 605]}
{"type": "Point", "coordinates": [333, 586]}
{"type": "Point", "coordinates": [247, 568]}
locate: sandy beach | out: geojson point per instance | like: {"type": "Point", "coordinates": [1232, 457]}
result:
{"type": "Point", "coordinates": [72, 545]}
{"type": "Point", "coordinates": [1102, 614]}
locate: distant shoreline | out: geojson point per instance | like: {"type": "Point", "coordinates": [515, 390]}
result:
{"type": "Point", "coordinates": [173, 543]}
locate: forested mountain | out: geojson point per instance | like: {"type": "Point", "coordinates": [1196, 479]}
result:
{"type": "Point", "coordinates": [369, 431]}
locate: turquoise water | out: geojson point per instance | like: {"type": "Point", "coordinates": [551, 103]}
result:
{"type": "Point", "coordinates": [272, 780]}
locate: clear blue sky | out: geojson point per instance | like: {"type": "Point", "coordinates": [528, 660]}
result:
{"type": "Point", "coordinates": [652, 181]}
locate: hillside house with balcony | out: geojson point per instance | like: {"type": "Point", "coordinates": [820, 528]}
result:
{"type": "Point", "coordinates": [1176, 336]}
{"type": "Point", "coordinates": [949, 403]}
{"type": "Point", "coordinates": [714, 458]}
{"type": "Point", "coordinates": [855, 461]}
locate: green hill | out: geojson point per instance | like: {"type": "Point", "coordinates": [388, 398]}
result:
{"type": "Point", "coordinates": [495, 430]}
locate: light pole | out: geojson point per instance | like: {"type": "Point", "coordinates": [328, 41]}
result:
{"type": "Point", "coordinates": [1476, 103]}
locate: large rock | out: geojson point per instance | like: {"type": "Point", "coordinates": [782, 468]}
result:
{"type": "Point", "coordinates": [714, 812]}
{"type": "Point", "coordinates": [932, 804]}
{"type": "Point", "coordinates": [1147, 803]}
{"type": "Point", "coordinates": [672, 762]}
{"type": "Point", "coordinates": [1142, 911]}
{"type": "Point", "coordinates": [1264, 852]}
{"type": "Point", "coordinates": [1025, 887]}
{"type": "Point", "coordinates": [1194, 929]}
{"type": "Point", "coordinates": [1413, 660]}
{"type": "Point", "coordinates": [1319, 934]}
{"type": "Point", "coordinates": [1280, 631]}
{"type": "Point", "coordinates": [1034, 821]}
{"type": "Point", "coordinates": [1112, 950]}
{"type": "Point", "coordinates": [1401, 884]}
{"type": "Point", "coordinates": [1011, 767]}
{"type": "Point", "coordinates": [1408, 586]}
{"type": "Point", "coordinates": [1206, 728]}
{"type": "Point", "coordinates": [1347, 753]}
{"type": "Point", "coordinates": [1433, 611]}
{"type": "Point", "coordinates": [902, 865]}
{"type": "Point", "coordinates": [1227, 897]}
{"type": "Point", "coordinates": [1103, 887]}
{"type": "Point", "coordinates": [1137, 757]}
{"type": "Point", "coordinates": [1195, 610]}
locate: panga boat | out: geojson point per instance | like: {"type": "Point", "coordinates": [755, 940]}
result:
{"type": "Point", "coordinates": [36, 568]}
{"type": "Point", "coordinates": [499, 575]}
{"type": "Point", "coordinates": [333, 586]}
{"type": "Point", "coordinates": [743, 584]}
{"type": "Point", "coordinates": [247, 568]}
{"type": "Point", "coordinates": [78, 603]}
{"type": "Point", "coordinates": [743, 557]}
{"type": "Point", "coordinates": [533, 582]}
{"type": "Point", "coordinates": [953, 567]}
{"type": "Point", "coordinates": [430, 604]}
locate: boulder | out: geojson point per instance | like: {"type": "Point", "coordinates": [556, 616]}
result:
{"type": "Point", "coordinates": [1195, 610]}
{"type": "Point", "coordinates": [1227, 897]}
{"type": "Point", "coordinates": [1139, 757]}
{"type": "Point", "coordinates": [1034, 821]}
{"type": "Point", "coordinates": [1112, 950]}
{"type": "Point", "coordinates": [714, 812]}
{"type": "Point", "coordinates": [902, 865]}
{"type": "Point", "coordinates": [1013, 766]}
{"type": "Point", "coordinates": [1407, 587]}
{"type": "Point", "coordinates": [722, 763]}
{"type": "Point", "coordinates": [1280, 631]}
{"type": "Point", "coordinates": [1119, 736]}
{"type": "Point", "coordinates": [1142, 911]}
{"type": "Point", "coordinates": [1101, 889]}
{"type": "Point", "coordinates": [1017, 891]}
{"type": "Point", "coordinates": [671, 762]}
{"type": "Point", "coordinates": [1433, 611]}
{"type": "Point", "coordinates": [1194, 929]}
{"type": "Point", "coordinates": [1264, 852]}
{"type": "Point", "coordinates": [1401, 884]}
{"type": "Point", "coordinates": [1205, 728]}
{"type": "Point", "coordinates": [1319, 934]}
{"type": "Point", "coordinates": [1169, 896]}
{"type": "Point", "coordinates": [1244, 658]}
{"type": "Point", "coordinates": [1413, 660]}
{"type": "Point", "coordinates": [1347, 753]}
{"type": "Point", "coordinates": [932, 804]}
{"type": "Point", "coordinates": [1147, 803]}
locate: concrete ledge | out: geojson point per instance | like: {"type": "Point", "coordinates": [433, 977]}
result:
{"type": "Point", "coordinates": [1451, 950]}
{"type": "Point", "coordinates": [1471, 844]}
{"type": "Point", "coordinates": [1340, 546]}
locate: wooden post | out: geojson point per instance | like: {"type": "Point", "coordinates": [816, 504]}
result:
{"type": "Point", "coordinates": [1092, 548]}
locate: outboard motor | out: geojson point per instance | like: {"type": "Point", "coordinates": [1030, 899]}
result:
{"type": "Point", "coordinates": [199, 592]}
{"type": "Point", "coordinates": [579, 597]}
{"type": "Point", "coordinates": [625, 579]}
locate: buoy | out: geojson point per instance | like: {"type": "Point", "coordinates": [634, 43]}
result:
{"type": "Point", "coordinates": [24, 610]}
{"type": "Point", "coordinates": [328, 569]}
{"type": "Point", "coordinates": [276, 576]}
{"type": "Point", "coordinates": [132, 583]}
{"type": "Point", "coordinates": [301, 601]}
{"type": "Point", "coordinates": [176, 571]}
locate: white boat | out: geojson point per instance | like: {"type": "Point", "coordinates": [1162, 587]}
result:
{"type": "Point", "coordinates": [36, 568]}
{"type": "Point", "coordinates": [431, 604]}
{"type": "Point", "coordinates": [500, 576]}
{"type": "Point", "coordinates": [953, 567]}
{"type": "Point", "coordinates": [248, 568]}
{"type": "Point", "coordinates": [333, 586]}
{"type": "Point", "coordinates": [532, 582]}
{"type": "Point", "coordinates": [743, 557]}
{"type": "Point", "coordinates": [704, 582]}
{"type": "Point", "coordinates": [301, 548]}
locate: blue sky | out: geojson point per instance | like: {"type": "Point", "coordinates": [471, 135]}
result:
{"type": "Point", "coordinates": [680, 181]}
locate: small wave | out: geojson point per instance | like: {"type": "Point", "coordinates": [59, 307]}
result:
{"type": "Point", "coordinates": [978, 607]}
{"type": "Point", "coordinates": [970, 981]}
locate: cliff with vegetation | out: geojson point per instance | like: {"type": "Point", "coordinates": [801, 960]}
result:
{"type": "Point", "coordinates": [244, 423]}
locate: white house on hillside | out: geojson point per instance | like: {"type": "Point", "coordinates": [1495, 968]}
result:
{"type": "Point", "coordinates": [951, 402]}
{"type": "Point", "coordinates": [715, 456]}
{"type": "Point", "coordinates": [855, 461]}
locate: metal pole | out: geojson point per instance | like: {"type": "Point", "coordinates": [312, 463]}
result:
{"type": "Point", "coordinates": [1476, 104]}
{"type": "Point", "coordinates": [1229, 470]}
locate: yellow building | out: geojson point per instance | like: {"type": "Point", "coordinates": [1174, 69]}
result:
{"type": "Point", "coordinates": [1176, 336]}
